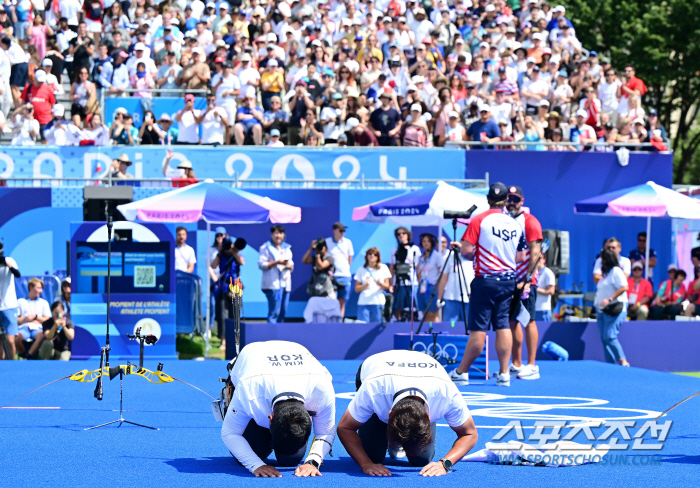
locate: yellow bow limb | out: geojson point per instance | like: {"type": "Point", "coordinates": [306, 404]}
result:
{"type": "Point", "coordinates": [86, 376]}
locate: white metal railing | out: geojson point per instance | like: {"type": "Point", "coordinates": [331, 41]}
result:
{"type": "Point", "coordinates": [261, 183]}
{"type": "Point", "coordinates": [521, 145]}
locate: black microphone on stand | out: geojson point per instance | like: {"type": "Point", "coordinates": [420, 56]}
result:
{"type": "Point", "coordinates": [104, 356]}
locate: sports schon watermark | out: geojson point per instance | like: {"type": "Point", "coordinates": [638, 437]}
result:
{"type": "Point", "coordinates": [609, 437]}
{"type": "Point", "coordinates": [576, 459]}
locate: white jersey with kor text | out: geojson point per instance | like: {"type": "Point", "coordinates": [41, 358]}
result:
{"type": "Point", "coordinates": [267, 372]}
{"type": "Point", "coordinates": [496, 237]}
{"type": "Point", "coordinates": [387, 375]}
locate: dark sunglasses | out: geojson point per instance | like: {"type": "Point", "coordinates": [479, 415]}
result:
{"type": "Point", "coordinates": [514, 198]}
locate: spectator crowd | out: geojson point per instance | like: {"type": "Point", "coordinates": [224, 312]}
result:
{"type": "Point", "coordinates": [315, 72]}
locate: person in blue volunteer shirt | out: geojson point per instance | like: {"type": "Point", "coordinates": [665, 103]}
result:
{"type": "Point", "coordinates": [277, 265]}
{"type": "Point", "coordinates": [639, 254]}
{"type": "Point", "coordinates": [429, 265]}
{"type": "Point", "coordinates": [340, 248]}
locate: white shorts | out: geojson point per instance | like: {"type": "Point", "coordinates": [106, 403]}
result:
{"type": "Point", "coordinates": [93, 26]}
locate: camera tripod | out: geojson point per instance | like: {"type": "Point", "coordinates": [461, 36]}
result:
{"type": "Point", "coordinates": [455, 260]}
{"type": "Point", "coordinates": [3, 339]}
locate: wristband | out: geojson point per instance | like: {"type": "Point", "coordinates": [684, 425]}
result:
{"type": "Point", "coordinates": [313, 463]}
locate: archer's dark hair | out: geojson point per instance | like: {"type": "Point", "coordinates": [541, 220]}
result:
{"type": "Point", "coordinates": [609, 261]}
{"type": "Point", "coordinates": [290, 427]}
{"type": "Point", "coordinates": [409, 425]}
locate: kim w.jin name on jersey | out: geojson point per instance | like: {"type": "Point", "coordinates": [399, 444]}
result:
{"type": "Point", "coordinates": [286, 360]}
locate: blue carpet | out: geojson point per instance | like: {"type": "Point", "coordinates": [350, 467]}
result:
{"type": "Point", "coordinates": [49, 446]}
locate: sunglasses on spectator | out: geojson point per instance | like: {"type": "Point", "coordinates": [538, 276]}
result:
{"type": "Point", "coordinates": [401, 234]}
{"type": "Point", "coordinates": [637, 269]}
{"type": "Point", "coordinates": [609, 248]}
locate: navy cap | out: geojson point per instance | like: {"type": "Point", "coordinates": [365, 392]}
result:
{"type": "Point", "coordinates": [653, 112]}
{"type": "Point", "coordinates": [515, 190]}
{"type": "Point", "coordinates": [498, 192]}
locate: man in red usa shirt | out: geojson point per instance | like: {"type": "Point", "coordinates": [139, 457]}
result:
{"type": "Point", "coordinates": [532, 230]}
{"type": "Point", "coordinates": [494, 241]}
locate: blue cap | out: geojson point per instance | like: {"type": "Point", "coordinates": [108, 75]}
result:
{"type": "Point", "coordinates": [274, 132]}
{"type": "Point", "coordinates": [358, 37]}
{"type": "Point", "coordinates": [328, 72]}
{"type": "Point", "coordinates": [220, 230]}
{"type": "Point", "coordinates": [305, 79]}
{"type": "Point", "coordinates": [563, 73]}
{"type": "Point", "coordinates": [337, 96]}
{"type": "Point", "coordinates": [593, 53]}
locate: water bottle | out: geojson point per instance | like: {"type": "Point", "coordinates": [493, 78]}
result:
{"type": "Point", "coordinates": [555, 351]}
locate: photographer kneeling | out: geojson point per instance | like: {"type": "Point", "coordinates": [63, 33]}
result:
{"type": "Point", "coordinates": [321, 284]}
{"type": "Point", "coordinates": [58, 334]}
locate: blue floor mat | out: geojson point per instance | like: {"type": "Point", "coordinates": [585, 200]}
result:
{"type": "Point", "coordinates": [44, 442]}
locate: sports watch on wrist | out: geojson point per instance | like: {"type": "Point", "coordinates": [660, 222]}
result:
{"type": "Point", "coordinates": [447, 464]}
{"type": "Point", "coordinates": [313, 463]}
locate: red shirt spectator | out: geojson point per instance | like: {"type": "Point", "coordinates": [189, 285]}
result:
{"type": "Point", "coordinates": [40, 95]}
{"type": "Point", "coordinates": [633, 84]}
{"type": "Point", "coordinates": [638, 291]}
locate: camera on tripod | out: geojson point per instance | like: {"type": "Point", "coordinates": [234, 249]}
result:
{"type": "Point", "coordinates": [402, 269]}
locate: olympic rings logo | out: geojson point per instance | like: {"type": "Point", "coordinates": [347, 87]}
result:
{"type": "Point", "coordinates": [447, 351]}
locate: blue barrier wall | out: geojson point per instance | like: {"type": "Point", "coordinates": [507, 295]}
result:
{"type": "Point", "coordinates": [247, 162]}
{"type": "Point", "coordinates": [553, 181]}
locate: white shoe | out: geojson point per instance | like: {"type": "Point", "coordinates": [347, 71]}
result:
{"type": "Point", "coordinates": [502, 379]}
{"type": "Point", "coordinates": [459, 379]}
{"type": "Point", "coordinates": [529, 373]}
{"type": "Point", "coordinates": [400, 454]}
{"type": "Point", "coordinates": [515, 369]}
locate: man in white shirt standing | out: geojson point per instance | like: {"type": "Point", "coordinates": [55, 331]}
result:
{"type": "Point", "coordinates": [8, 302]}
{"type": "Point", "coordinates": [545, 290]}
{"type": "Point", "coordinates": [277, 265]}
{"type": "Point", "coordinates": [340, 247]}
{"type": "Point", "coordinates": [185, 258]}
{"type": "Point", "coordinates": [278, 387]}
{"type": "Point", "coordinates": [187, 126]}
{"type": "Point", "coordinates": [215, 123]}
{"type": "Point", "coordinates": [615, 246]}
{"type": "Point", "coordinates": [400, 397]}
{"type": "Point", "coordinates": [33, 311]}
{"type": "Point", "coordinates": [607, 94]}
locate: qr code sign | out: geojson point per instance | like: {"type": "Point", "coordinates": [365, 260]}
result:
{"type": "Point", "coordinates": [144, 276]}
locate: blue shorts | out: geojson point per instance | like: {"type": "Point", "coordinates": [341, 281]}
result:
{"type": "Point", "coordinates": [422, 299]}
{"type": "Point", "coordinates": [344, 292]}
{"type": "Point", "coordinates": [28, 333]}
{"type": "Point", "coordinates": [543, 316]}
{"type": "Point", "coordinates": [489, 304]}
{"type": "Point", "coordinates": [8, 320]}
{"type": "Point", "coordinates": [452, 311]}
{"type": "Point", "coordinates": [369, 313]}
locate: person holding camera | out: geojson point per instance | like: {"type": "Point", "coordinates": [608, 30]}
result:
{"type": "Point", "coordinates": [27, 128]}
{"type": "Point", "coordinates": [371, 281]}
{"type": "Point", "coordinates": [228, 263]}
{"type": "Point", "coordinates": [402, 265]}
{"type": "Point", "coordinates": [59, 331]}
{"type": "Point", "coordinates": [8, 303]}
{"type": "Point", "coordinates": [277, 265]}
{"type": "Point", "coordinates": [321, 284]}
{"type": "Point", "coordinates": [300, 102]}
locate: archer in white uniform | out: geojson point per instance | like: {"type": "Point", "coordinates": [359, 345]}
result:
{"type": "Point", "coordinates": [400, 397]}
{"type": "Point", "coordinates": [279, 387]}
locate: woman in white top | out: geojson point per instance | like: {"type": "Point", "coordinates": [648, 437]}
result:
{"type": "Point", "coordinates": [611, 290]}
{"type": "Point", "coordinates": [429, 266]}
{"type": "Point", "coordinates": [276, 264]}
{"type": "Point", "coordinates": [371, 281]}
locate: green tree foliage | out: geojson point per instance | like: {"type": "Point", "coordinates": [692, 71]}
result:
{"type": "Point", "coordinates": [662, 41]}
